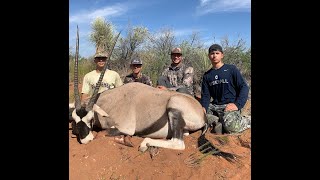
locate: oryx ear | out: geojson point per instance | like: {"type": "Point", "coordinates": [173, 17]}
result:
{"type": "Point", "coordinates": [71, 105]}
{"type": "Point", "coordinates": [97, 109]}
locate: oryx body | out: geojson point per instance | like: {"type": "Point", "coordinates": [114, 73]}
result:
{"type": "Point", "coordinates": [142, 110]}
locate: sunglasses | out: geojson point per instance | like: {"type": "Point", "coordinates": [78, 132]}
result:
{"type": "Point", "coordinates": [136, 65]}
{"type": "Point", "coordinates": [100, 59]}
{"type": "Point", "coordinates": [176, 54]}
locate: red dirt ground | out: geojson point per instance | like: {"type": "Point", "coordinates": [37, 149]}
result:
{"type": "Point", "coordinates": [103, 159]}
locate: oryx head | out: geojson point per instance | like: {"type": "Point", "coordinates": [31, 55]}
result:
{"type": "Point", "coordinates": [83, 114]}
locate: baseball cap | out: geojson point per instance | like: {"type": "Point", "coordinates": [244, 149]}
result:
{"type": "Point", "coordinates": [101, 52]}
{"type": "Point", "coordinates": [215, 47]}
{"type": "Point", "coordinates": [176, 51]}
{"type": "Point", "coordinates": [136, 61]}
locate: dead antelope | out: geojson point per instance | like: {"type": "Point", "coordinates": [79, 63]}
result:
{"type": "Point", "coordinates": [161, 117]}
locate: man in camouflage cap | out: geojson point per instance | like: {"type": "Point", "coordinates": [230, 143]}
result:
{"type": "Point", "coordinates": [111, 79]}
{"type": "Point", "coordinates": [136, 75]}
{"type": "Point", "coordinates": [177, 76]}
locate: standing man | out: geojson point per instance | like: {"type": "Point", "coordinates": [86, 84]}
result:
{"type": "Point", "coordinates": [136, 75]}
{"type": "Point", "coordinates": [111, 79]}
{"type": "Point", "coordinates": [229, 91]}
{"type": "Point", "coordinates": [177, 77]}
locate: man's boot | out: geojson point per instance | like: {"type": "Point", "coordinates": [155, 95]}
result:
{"type": "Point", "coordinates": [212, 119]}
{"type": "Point", "coordinates": [217, 128]}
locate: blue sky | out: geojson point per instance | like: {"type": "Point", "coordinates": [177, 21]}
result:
{"type": "Point", "coordinates": [212, 19]}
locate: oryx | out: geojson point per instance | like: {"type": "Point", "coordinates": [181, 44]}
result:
{"type": "Point", "coordinates": [161, 116]}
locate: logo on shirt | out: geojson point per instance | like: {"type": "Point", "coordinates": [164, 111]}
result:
{"type": "Point", "coordinates": [216, 77]}
{"type": "Point", "coordinates": [105, 85]}
{"type": "Point", "coordinates": [219, 81]}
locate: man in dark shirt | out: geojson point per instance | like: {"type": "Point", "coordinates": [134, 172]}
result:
{"type": "Point", "coordinates": [136, 75]}
{"type": "Point", "coordinates": [229, 91]}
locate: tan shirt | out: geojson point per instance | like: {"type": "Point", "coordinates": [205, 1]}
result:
{"type": "Point", "coordinates": [111, 79]}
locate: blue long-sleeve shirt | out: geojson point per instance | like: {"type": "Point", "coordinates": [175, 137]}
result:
{"type": "Point", "coordinates": [225, 85]}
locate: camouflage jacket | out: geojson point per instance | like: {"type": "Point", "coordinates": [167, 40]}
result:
{"type": "Point", "coordinates": [143, 79]}
{"type": "Point", "coordinates": [180, 76]}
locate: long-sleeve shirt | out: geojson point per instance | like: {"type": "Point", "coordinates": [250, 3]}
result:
{"type": "Point", "coordinates": [180, 76]}
{"type": "Point", "coordinates": [142, 79]}
{"type": "Point", "coordinates": [225, 85]}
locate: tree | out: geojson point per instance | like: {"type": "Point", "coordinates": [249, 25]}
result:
{"type": "Point", "coordinates": [102, 34]}
{"type": "Point", "coordinates": [129, 45]}
{"type": "Point", "coordinates": [158, 50]}
{"type": "Point", "coordinates": [238, 54]}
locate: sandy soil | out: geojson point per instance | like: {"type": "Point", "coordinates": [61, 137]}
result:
{"type": "Point", "coordinates": [105, 159]}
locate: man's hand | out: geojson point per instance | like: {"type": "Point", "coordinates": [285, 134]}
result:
{"type": "Point", "coordinates": [231, 107]}
{"type": "Point", "coordinates": [162, 87]}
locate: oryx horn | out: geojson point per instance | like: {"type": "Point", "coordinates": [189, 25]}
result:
{"type": "Point", "coordinates": [93, 99]}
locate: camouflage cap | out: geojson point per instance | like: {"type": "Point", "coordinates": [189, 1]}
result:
{"type": "Point", "coordinates": [136, 61]}
{"type": "Point", "coordinates": [100, 51]}
{"type": "Point", "coordinates": [101, 54]}
{"type": "Point", "coordinates": [176, 51]}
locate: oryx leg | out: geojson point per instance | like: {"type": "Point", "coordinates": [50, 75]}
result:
{"type": "Point", "coordinates": [120, 137]}
{"type": "Point", "coordinates": [176, 125]}
{"type": "Point", "coordinates": [185, 132]}
{"type": "Point", "coordinates": [113, 131]}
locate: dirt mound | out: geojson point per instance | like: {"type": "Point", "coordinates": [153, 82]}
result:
{"type": "Point", "coordinates": [104, 159]}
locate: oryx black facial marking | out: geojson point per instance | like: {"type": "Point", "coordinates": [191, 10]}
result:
{"type": "Point", "coordinates": [82, 112]}
{"type": "Point", "coordinates": [82, 129]}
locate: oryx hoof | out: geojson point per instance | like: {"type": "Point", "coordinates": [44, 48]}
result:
{"type": "Point", "coordinates": [119, 139]}
{"type": "Point", "coordinates": [127, 141]}
{"type": "Point", "coordinates": [143, 148]}
{"type": "Point", "coordinates": [153, 150]}
{"type": "Point", "coordinates": [124, 140]}
{"type": "Point", "coordinates": [144, 144]}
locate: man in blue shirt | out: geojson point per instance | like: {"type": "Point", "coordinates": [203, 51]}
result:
{"type": "Point", "coordinates": [229, 91]}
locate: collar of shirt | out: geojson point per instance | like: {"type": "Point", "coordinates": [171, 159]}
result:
{"type": "Point", "coordinates": [176, 68]}
{"type": "Point", "coordinates": [138, 76]}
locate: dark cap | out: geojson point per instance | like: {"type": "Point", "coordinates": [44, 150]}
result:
{"type": "Point", "coordinates": [136, 61]}
{"type": "Point", "coordinates": [176, 51]}
{"type": "Point", "coordinates": [215, 47]}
